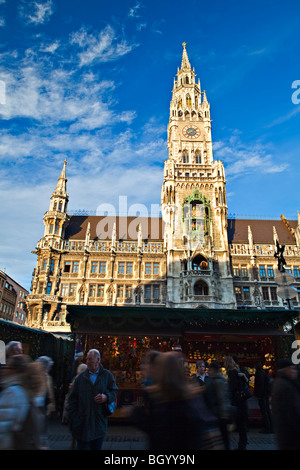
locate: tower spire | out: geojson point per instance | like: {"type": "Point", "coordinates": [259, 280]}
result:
{"type": "Point", "coordinates": [61, 188]}
{"type": "Point", "coordinates": [185, 63]}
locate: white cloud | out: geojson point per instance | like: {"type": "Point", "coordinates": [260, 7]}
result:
{"type": "Point", "coordinates": [100, 47]}
{"type": "Point", "coordinates": [240, 159]}
{"type": "Point", "coordinates": [37, 12]}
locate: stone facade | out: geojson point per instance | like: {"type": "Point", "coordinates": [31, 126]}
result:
{"type": "Point", "coordinates": [194, 256]}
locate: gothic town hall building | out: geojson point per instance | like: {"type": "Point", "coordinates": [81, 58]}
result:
{"type": "Point", "coordinates": [194, 256]}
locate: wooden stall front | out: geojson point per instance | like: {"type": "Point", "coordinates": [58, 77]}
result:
{"type": "Point", "coordinates": [123, 336]}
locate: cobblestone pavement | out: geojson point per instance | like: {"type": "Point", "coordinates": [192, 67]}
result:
{"type": "Point", "coordinates": [123, 437]}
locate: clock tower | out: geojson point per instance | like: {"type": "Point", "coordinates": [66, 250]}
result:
{"type": "Point", "coordinates": [193, 200]}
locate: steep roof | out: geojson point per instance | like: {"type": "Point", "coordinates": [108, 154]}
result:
{"type": "Point", "coordinates": [126, 227]}
{"type": "Point", "coordinates": [262, 231]}
{"type": "Point", "coordinates": [152, 229]}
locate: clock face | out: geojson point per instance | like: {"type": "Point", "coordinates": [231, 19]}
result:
{"type": "Point", "coordinates": [191, 132]}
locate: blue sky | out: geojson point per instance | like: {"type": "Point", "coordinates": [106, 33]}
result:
{"type": "Point", "coordinates": [91, 82]}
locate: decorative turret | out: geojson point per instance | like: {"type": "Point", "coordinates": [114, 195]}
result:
{"type": "Point", "coordinates": [56, 217]}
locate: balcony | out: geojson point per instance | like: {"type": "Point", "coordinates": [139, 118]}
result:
{"type": "Point", "coordinates": [195, 273]}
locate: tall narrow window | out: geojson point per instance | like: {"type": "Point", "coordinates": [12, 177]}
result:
{"type": "Point", "coordinates": [92, 291]}
{"type": "Point", "coordinates": [120, 290]}
{"type": "Point", "coordinates": [246, 292]}
{"type": "Point", "coordinates": [129, 268]}
{"type": "Point", "coordinates": [64, 289]}
{"type": "Point", "coordinates": [265, 293]}
{"type": "Point", "coordinates": [188, 101]}
{"type": "Point", "coordinates": [128, 292]}
{"type": "Point", "coordinates": [100, 290]}
{"type": "Point", "coordinates": [72, 291]}
{"type": "Point", "coordinates": [102, 267]}
{"type": "Point", "coordinates": [156, 291]}
{"type": "Point", "coordinates": [147, 268]}
{"type": "Point", "coordinates": [75, 267]}
{"type": "Point", "coordinates": [262, 271]}
{"type": "Point", "coordinates": [94, 266]}
{"type": "Point", "coordinates": [49, 288]}
{"type": "Point", "coordinates": [147, 292]}
{"type": "Point", "coordinates": [121, 268]}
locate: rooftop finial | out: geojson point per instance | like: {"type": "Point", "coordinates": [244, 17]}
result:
{"type": "Point", "coordinates": [185, 63]}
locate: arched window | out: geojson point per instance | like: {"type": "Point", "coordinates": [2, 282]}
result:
{"type": "Point", "coordinates": [198, 156]}
{"type": "Point", "coordinates": [188, 100]}
{"type": "Point", "coordinates": [185, 157]}
{"type": "Point", "coordinates": [200, 288]}
{"type": "Point", "coordinates": [187, 80]}
{"type": "Point", "coordinates": [199, 263]}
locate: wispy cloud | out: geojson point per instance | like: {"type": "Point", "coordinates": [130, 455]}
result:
{"type": "Point", "coordinates": [285, 117]}
{"type": "Point", "coordinates": [104, 46]}
{"type": "Point", "coordinates": [240, 159]}
{"type": "Point", "coordinates": [37, 12]}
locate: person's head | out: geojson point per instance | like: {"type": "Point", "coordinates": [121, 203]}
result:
{"type": "Point", "coordinates": [16, 365]}
{"type": "Point", "coordinates": [93, 360]}
{"type": "Point", "coordinates": [214, 368]}
{"type": "Point", "coordinates": [35, 379]}
{"type": "Point", "coordinates": [149, 365]}
{"type": "Point", "coordinates": [46, 361]}
{"type": "Point", "coordinates": [13, 348]}
{"type": "Point", "coordinates": [286, 367]}
{"type": "Point", "coordinates": [171, 379]}
{"type": "Point", "coordinates": [230, 364]}
{"type": "Point", "coordinates": [200, 366]}
{"type": "Point", "coordinates": [81, 368]}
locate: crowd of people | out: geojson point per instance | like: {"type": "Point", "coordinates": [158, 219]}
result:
{"type": "Point", "coordinates": [179, 412]}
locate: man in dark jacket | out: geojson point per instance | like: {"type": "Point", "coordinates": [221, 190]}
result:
{"type": "Point", "coordinates": [91, 390]}
{"type": "Point", "coordinates": [262, 390]}
{"type": "Point", "coordinates": [201, 376]}
{"type": "Point", "coordinates": [286, 406]}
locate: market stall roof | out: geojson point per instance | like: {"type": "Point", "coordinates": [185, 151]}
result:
{"type": "Point", "coordinates": [176, 321]}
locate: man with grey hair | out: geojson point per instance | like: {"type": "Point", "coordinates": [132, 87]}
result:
{"type": "Point", "coordinates": [92, 389]}
{"type": "Point", "coordinates": [13, 349]}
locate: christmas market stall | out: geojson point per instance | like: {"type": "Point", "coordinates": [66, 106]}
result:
{"type": "Point", "coordinates": [124, 334]}
{"type": "Point", "coordinates": [35, 343]}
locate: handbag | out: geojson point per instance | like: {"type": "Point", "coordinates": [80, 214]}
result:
{"type": "Point", "coordinates": [243, 392]}
{"type": "Point", "coordinates": [109, 408]}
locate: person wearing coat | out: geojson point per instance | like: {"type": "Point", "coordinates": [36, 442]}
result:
{"type": "Point", "coordinates": [19, 417]}
{"type": "Point", "coordinates": [286, 406]}
{"type": "Point", "coordinates": [262, 390]}
{"type": "Point", "coordinates": [91, 390]}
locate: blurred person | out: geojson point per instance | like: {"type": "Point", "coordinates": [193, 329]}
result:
{"type": "Point", "coordinates": [262, 390]}
{"type": "Point", "coordinates": [237, 382]}
{"type": "Point", "coordinates": [79, 359]}
{"type": "Point", "coordinates": [45, 400]}
{"type": "Point", "coordinates": [19, 419]}
{"type": "Point", "coordinates": [91, 390]}
{"type": "Point", "coordinates": [201, 375]}
{"type": "Point", "coordinates": [149, 367]}
{"type": "Point", "coordinates": [13, 348]}
{"type": "Point", "coordinates": [216, 396]}
{"type": "Point", "coordinates": [286, 406]}
{"type": "Point", "coordinates": [174, 420]}
{"type": "Point", "coordinates": [65, 417]}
